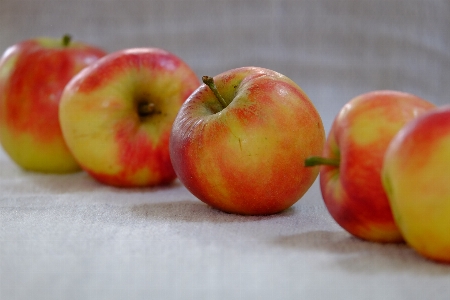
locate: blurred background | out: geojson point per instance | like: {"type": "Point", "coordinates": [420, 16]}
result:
{"type": "Point", "coordinates": [333, 49]}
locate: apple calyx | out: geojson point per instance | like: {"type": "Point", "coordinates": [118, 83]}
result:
{"type": "Point", "coordinates": [66, 39]}
{"type": "Point", "coordinates": [319, 161]}
{"type": "Point", "coordinates": [146, 109]}
{"type": "Point", "coordinates": [209, 81]}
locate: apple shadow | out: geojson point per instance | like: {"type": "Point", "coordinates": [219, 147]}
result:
{"type": "Point", "coordinates": [359, 256]}
{"type": "Point", "coordinates": [15, 178]}
{"type": "Point", "coordinates": [51, 183]}
{"type": "Point", "coordinates": [195, 211]}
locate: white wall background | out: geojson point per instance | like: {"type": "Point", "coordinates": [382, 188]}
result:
{"type": "Point", "coordinates": [334, 49]}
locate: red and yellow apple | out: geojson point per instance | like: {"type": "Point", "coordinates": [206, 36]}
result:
{"type": "Point", "coordinates": [116, 115]}
{"type": "Point", "coordinates": [350, 179]}
{"type": "Point", "coordinates": [239, 141]}
{"type": "Point", "coordinates": [33, 74]}
{"type": "Point", "coordinates": [415, 176]}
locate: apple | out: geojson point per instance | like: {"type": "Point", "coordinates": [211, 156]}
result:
{"type": "Point", "coordinates": [415, 176]}
{"type": "Point", "coordinates": [350, 175]}
{"type": "Point", "coordinates": [33, 74]}
{"type": "Point", "coordinates": [116, 115]}
{"type": "Point", "coordinates": [238, 143]}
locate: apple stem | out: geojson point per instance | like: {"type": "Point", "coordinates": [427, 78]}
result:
{"type": "Point", "coordinates": [66, 40]}
{"type": "Point", "coordinates": [209, 81]}
{"type": "Point", "coordinates": [317, 161]}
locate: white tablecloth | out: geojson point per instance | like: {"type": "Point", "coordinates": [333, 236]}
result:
{"type": "Point", "coordinates": [68, 237]}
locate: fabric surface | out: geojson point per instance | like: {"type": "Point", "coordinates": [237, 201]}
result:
{"type": "Point", "coordinates": [69, 237]}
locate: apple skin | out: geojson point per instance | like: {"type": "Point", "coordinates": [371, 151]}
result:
{"type": "Point", "coordinates": [33, 74]}
{"type": "Point", "coordinates": [415, 176]}
{"type": "Point", "coordinates": [361, 132]}
{"type": "Point", "coordinates": [248, 157]}
{"type": "Point", "coordinates": [103, 125]}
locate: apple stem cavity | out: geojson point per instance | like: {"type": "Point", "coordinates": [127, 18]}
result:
{"type": "Point", "coordinates": [319, 161]}
{"type": "Point", "coordinates": [67, 38]}
{"type": "Point", "coordinates": [209, 81]}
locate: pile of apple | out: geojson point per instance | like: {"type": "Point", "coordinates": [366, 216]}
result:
{"type": "Point", "coordinates": [247, 141]}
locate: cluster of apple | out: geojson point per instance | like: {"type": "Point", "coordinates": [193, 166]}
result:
{"type": "Point", "coordinates": [246, 141]}
{"type": "Point", "coordinates": [141, 117]}
{"type": "Point", "coordinates": [67, 106]}
{"type": "Point", "coordinates": [384, 171]}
